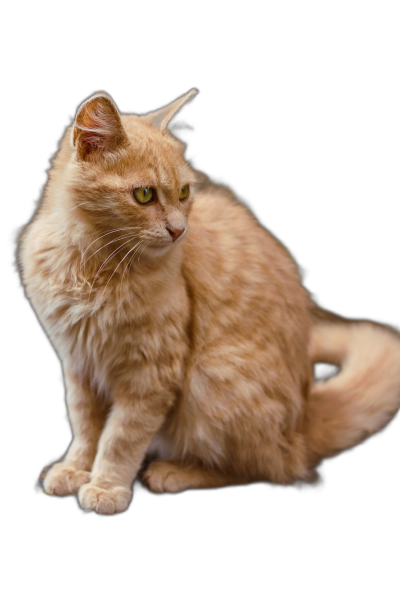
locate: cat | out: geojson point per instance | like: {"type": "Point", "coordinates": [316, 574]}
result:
{"type": "Point", "coordinates": [186, 337]}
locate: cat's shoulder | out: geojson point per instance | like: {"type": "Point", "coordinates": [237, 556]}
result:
{"type": "Point", "coordinates": [216, 203]}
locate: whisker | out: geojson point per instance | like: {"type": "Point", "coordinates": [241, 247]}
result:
{"type": "Point", "coordinates": [121, 237]}
{"type": "Point", "coordinates": [108, 233]}
{"type": "Point", "coordinates": [112, 230]}
{"type": "Point", "coordinates": [143, 249]}
{"type": "Point", "coordinates": [129, 261]}
{"type": "Point", "coordinates": [133, 256]}
{"type": "Point", "coordinates": [78, 206]}
{"type": "Point", "coordinates": [137, 250]}
{"type": "Point", "coordinates": [106, 261]}
{"type": "Point", "coordinates": [121, 261]}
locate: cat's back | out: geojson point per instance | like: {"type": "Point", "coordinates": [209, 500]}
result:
{"type": "Point", "coordinates": [228, 252]}
{"type": "Point", "coordinates": [244, 285]}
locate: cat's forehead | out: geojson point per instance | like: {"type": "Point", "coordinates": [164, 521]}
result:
{"type": "Point", "coordinates": [151, 157]}
{"type": "Point", "coordinates": [150, 141]}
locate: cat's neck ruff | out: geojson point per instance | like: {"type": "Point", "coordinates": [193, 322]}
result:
{"type": "Point", "coordinates": [57, 270]}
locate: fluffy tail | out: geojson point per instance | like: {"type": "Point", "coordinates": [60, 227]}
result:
{"type": "Point", "coordinates": [365, 394]}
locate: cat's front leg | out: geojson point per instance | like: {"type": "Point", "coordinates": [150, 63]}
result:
{"type": "Point", "coordinates": [124, 441]}
{"type": "Point", "coordinates": [87, 416]}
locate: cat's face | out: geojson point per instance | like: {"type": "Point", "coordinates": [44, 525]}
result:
{"type": "Point", "coordinates": [130, 175]}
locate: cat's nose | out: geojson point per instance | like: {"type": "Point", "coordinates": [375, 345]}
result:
{"type": "Point", "coordinates": [175, 232]}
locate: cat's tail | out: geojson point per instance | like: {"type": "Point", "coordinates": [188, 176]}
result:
{"type": "Point", "coordinates": [364, 395]}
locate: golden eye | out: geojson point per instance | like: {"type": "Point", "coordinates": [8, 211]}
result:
{"type": "Point", "coordinates": [143, 195]}
{"type": "Point", "coordinates": [185, 191]}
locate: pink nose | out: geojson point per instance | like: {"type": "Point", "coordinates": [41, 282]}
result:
{"type": "Point", "coordinates": [175, 232]}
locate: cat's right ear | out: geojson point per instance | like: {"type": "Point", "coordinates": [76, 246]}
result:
{"type": "Point", "coordinates": [97, 130]}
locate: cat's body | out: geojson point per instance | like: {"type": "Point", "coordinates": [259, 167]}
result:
{"type": "Point", "coordinates": [200, 349]}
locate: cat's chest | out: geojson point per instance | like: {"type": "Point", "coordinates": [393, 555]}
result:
{"type": "Point", "coordinates": [131, 338]}
{"type": "Point", "coordinates": [118, 328]}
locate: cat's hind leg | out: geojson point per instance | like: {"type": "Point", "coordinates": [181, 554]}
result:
{"type": "Point", "coordinates": [174, 476]}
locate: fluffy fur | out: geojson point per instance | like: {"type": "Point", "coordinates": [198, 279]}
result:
{"type": "Point", "coordinates": [183, 329]}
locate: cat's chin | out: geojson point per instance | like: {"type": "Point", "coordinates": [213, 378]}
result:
{"type": "Point", "coordinates": [158, 249]}
{"type": "Point", "coordinates": [162, 248]}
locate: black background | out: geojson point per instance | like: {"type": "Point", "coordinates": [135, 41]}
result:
{"type": "Point", "coordinates": [302, 128]}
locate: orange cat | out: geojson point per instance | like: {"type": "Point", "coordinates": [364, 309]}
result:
{"type": "Point", "coordinates": [182, 326]}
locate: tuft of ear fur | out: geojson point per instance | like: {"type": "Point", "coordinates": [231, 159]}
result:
{"type": "Point", "coordinates": [97, 129]}
{"type": "Point", "coordinates": [161, 117]}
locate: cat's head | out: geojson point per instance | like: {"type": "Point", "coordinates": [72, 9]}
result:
{"type": "Point", "coordinates": [127, 173]}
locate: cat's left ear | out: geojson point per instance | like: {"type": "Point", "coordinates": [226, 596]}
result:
{"type": "Point", "coordinates": [97, 131]}
{"type": "Point", "coordinates": [161, 117]}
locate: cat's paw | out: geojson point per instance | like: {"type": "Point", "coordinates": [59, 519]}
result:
{"type": "Point", "coordinates": [104, 501]}
{"type": "Point", "coordinates": [163, 476]}
{"type": "Point", "coordinates": [62, 479]}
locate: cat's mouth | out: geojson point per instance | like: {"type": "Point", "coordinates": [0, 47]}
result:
{"type": "Point", "coordinates": [158, 248]}
{"type": "Point", "coordinates": [167, 243]}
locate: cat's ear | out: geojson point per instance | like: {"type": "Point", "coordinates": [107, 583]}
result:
{"type": "Point", "coordinates": [97, 130]}
{"type": "Point", "coordinates": [161, 117]}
